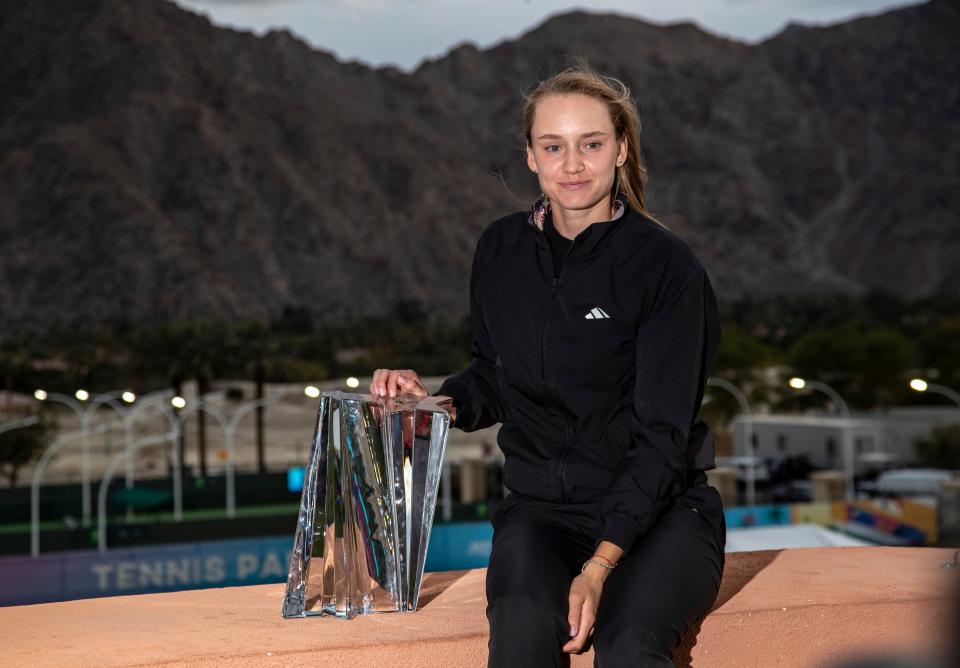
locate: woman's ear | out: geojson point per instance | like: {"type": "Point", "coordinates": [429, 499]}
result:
{"type": "Point", "coordinates": [531, 163]}
{"type": "Point", "coordinates": [622, 153]}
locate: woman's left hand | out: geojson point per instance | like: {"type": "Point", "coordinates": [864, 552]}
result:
{"type": "Point", "coordinates": [584, 598]}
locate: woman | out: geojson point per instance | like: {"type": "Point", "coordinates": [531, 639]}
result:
{"type": "Point", "coordinates": [595, 329]}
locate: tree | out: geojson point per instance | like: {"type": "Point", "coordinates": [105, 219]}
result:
{"type": "Point", "coordinates": [887, 358]}
{"type": "Point", "coordinates": [742, 360]}
{"type": "Point", "coordinates": [259, 350]}
{"type": "Point", "coordinates": [940, 448]}
{"type": "Point", "coordinates": [22, 445]}
{"type": "Point", "coordinates": [14, 361]}
{"type": "Point", "coordinates": [196, 349]}
{"type": "Point", "coordinates": [867, 367]}
{"type": "Point", "coordinates": [940, 351]}
{"type": "Point", "coordinates": [157, 352]}
{"type": "Point", "coordinates": [206, 349]}
{"type": "Point", "coordinates": [740, 353]}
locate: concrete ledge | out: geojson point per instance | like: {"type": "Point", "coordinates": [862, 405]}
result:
{"type": "Point", "coordinates": [797, 607]}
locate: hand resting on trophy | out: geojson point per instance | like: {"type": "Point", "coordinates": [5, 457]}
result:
{"type": "Point", "coordinates": [391, 382]}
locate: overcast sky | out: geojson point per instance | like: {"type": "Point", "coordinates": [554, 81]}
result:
{"type": "Point", "coordinates": [404, 32]}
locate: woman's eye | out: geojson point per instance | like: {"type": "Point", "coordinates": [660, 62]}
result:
{"type": "Point", "coordinates": [594, 145]}
{"type": "Point", "coordinates": [553, 148]}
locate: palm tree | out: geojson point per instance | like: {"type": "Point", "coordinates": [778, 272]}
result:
{"type": "Point", "coordinates": [15, 359]}
{"type": "Point", "coordinates": [167, 351]}
{"type": "Point", "coordinates": [207, 350]}
{"type": "Point", "coordinates": [260, 349]}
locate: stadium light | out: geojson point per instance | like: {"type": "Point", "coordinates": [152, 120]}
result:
{"type": "Point", "coordinates": [920, 385]}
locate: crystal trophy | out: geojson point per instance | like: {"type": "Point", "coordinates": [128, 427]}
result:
{"type": "Point", "coordinates": [369, 494]}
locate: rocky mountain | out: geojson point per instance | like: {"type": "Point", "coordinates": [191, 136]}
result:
{"type": "Point", "coordinates": [155, 167]}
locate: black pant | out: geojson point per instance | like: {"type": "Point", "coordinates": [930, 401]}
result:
{"type": "Point", "coordinates": [666, 582]}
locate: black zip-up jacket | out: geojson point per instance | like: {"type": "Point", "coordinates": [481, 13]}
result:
{"type": "Point", "coordinates": [596, 375]}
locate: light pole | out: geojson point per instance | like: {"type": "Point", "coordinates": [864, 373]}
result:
{"type": "Point", "coordinates": [127, 414]}
{"type": "Point", "coordinates": [153, 400]}
{"type": "Point", "coordinates": [229, 428]}
{"type": "Point", "coordinates": [157, 400]}
{"type": "Point", "coordinates": [748, 430]}
{"type": "Point", "coordinates": [920, 385]}
{"type": "Point", "coordinates": [84, 418]}
{"type": "Point", "coordinates": [18, 424]}
{"type": "Point", "coordinates": [844, 410]}
{"type": "Point", "coordinates": [199, 405]}
{"type": "Point", "coordinates": [38, 473]}
{"type": "Point", "coordinates": [108, 476]}
{"type": "Point", "coordinates": [183, 409]}
{"type": "Point", "coordinates": [84, 414]}
{"type": "Point", "coordinates": [230, 431]}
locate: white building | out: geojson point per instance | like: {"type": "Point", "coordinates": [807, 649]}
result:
{"type": "Point", "coordinates": [888, 436]}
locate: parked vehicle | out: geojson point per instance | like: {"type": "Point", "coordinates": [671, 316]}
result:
{"type": "Point", "coordinates": [908, 482]}
{"type": "Point", "coordinates": [743, 463]}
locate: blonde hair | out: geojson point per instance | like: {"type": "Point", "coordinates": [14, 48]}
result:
{"type": "Point", "coordinates": [631, 176]}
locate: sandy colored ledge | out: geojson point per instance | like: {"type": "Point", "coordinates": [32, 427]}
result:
{"type": "Point", "coordinates": [797, 607]}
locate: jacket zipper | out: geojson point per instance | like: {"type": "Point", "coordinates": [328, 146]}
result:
{"type": "Point", "coordinates": [543, 369]}
{"type": "Point", "coordinates": [563, 459]}
{"type": "Point", "coordinates": [546, 318]}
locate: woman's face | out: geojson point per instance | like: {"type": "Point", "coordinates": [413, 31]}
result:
{"type": "Point", "coordinates": [574, 150]}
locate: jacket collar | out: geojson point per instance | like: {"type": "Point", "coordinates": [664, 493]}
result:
{"type": "Point", "coordinates": [592, 239]}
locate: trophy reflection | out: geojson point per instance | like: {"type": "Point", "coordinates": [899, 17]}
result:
{"type": "Point", "coordinates": [369, 494]}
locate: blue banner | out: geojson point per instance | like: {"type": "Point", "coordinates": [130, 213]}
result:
{"type": "Point", "coordinates": [63, 576]}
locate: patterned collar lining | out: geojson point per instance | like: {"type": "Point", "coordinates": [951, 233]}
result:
{"type": "Point", "coordinates": [539, 213]}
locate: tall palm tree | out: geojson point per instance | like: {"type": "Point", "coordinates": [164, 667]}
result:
{"type": "Point", "coordinates": [208, 348]}
{"type": "Point", "coordinates": [260, 349]}
{"type": "Point", "coordinates": [159, 352]}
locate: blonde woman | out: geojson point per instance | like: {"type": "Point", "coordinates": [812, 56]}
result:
{"type": "Point", "coordinates": [595, 329]}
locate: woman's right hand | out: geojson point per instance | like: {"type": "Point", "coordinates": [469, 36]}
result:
{"type": "Point", "coordinates": [390, 382]}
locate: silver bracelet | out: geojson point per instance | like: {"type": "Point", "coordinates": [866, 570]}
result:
{"type": "Point", "coordinates": [598, 563]}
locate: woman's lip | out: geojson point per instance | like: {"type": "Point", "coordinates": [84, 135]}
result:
{"type": "Point", "coordinates": [573, 184]}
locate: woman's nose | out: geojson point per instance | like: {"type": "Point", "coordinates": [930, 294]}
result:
{"type": "Point", "coordinates": [572, 164]}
